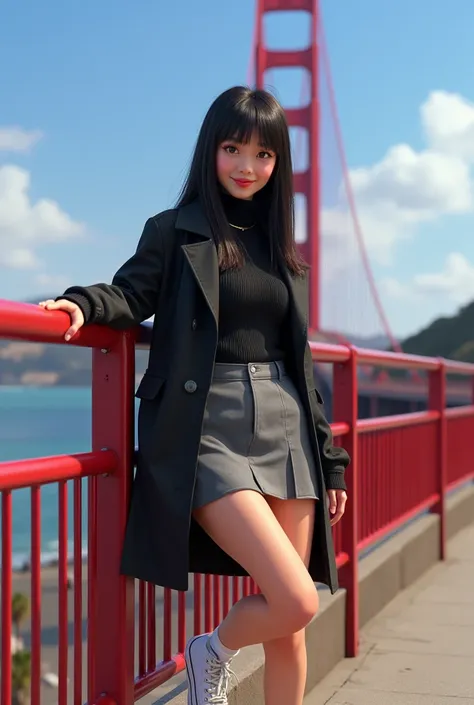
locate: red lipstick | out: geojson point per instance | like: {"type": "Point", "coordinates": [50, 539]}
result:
{"type": "Point", "coordinates": [243, 183]}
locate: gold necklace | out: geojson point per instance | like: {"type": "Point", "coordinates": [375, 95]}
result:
{"type": "Point", "coordinates": [240, 227]}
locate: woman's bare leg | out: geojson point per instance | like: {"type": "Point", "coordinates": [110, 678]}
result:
{"type": "Point", "coordinates": [285, 658]}
{"type": "Point", "coordinates": [245, 527]}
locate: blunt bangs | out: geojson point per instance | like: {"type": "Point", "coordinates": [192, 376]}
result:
{"type": "Point", "coordinates": [253, 113]}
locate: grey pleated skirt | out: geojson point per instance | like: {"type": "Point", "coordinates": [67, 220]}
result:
{"type": "Point", "coordinates": [254, 436]}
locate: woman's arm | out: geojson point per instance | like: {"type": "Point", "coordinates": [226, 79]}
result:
{"type": "Point", "coordinates": [334, 459]}
{"type": "Point", "coordinates": [132, 295]}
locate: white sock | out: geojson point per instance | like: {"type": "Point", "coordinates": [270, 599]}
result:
{"type": "Point", "coordinates": [222, 652]}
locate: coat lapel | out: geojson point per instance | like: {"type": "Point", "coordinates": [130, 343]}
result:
{"type": "Point", "coordinates": [202, 258]}
{"type": "Point", "coordinates": [201, 255]}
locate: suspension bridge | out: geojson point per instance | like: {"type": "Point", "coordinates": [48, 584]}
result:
{"type": "Point", "coordinates": [117, 641]}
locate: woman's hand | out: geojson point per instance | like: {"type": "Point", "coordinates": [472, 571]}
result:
{"type": "Point", "coordinates": [75, 313]}
{"type": "Point", "coordinates": [337, 504]}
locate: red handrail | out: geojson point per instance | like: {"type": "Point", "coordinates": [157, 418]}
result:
{"type": "Point", "coordinates": [41, 471]}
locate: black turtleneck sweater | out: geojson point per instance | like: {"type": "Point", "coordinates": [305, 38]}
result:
{"type": "Point", "coordinates": [253, 300]}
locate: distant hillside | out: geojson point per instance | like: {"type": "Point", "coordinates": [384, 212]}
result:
{"type": "Point", "coordinates": [37, 364]}
{"type": "Point", "coordinates": [446, 337]}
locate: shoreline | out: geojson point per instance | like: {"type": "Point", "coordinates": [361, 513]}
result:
{"type": "Point", "coordinates": [46, 564]}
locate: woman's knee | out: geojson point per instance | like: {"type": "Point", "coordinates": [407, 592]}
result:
{"type": "Point", "coordinates": [304, 608]}
{"type": "Point", "coordinates": [296, 609]}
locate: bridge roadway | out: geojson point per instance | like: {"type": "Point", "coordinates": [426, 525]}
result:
{"type": "Point", "coordinates": [420, 649]}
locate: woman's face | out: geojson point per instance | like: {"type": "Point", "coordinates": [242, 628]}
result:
{"type": "Point", "coordinates": [244, 169]}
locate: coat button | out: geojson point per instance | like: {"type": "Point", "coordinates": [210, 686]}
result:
{"type": "Point", "coordinates": [190, 386]}
{"type": "Point", "coordinates": [194, 324]}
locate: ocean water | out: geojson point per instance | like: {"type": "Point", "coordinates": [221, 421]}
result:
{"type": "Point", "coordinates": [38, 422]}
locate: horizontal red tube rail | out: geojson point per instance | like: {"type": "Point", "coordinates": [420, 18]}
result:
{"type": "Point", "coordinates": [339, 429]}
{"type": "Point", "coordinates": [397, 360]}
{"type": "Point", "coordinates": [458, 368]}
{"type": "Point", "coordinates": [324, 352]}
{"type": "Point", "coordinates": [163, 672]}
{"type": "Point", "coordinates": [40, 471]}
{"type": "Point", "coordinates": [383, 423]}
{"type": "Point", "coordinates": [460, 412]}
{"type": "Point", "coordinates": [33, 324]}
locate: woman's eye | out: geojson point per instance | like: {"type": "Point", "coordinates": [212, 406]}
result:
{"type": "Point", "coordinates": [265, 155]}
{"type": "Point", "coordinates": [230, 149]}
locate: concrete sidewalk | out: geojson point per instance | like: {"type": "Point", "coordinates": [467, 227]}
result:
{"type": "Point", "coordinates": [420, 649]}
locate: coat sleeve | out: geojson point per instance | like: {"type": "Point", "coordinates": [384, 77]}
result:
{"type": "Point", "coordinates": [132, 296]}
{"type": "Point", "coordinates": [334, 459]}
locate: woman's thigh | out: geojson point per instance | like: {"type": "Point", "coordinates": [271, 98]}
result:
{"type": "Point", "coordinates": [296, 518]}
{"type": "Point", "coordinates": [271, 543]}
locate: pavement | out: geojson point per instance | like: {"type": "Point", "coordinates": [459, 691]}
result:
{"type": "Point", "coordinates": [420, 649]}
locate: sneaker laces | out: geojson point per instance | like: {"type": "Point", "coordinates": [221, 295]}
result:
{"type": "Point", "coordinates": [219, 675]}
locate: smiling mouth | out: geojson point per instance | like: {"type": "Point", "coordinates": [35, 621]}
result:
{"type": "Point", "coordinates": [243, 182]}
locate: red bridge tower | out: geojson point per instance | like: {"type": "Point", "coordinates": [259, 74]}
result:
{"type": "Point", "coordinates": [305, 116]}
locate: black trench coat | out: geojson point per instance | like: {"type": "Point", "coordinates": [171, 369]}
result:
{"type": "Point", "coordinates": [174, 274]}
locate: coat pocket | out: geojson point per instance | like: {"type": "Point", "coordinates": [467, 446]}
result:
{"type": "Point", "coordinates": [311, 389]}
{"type": "Point", "coordinates": [318, 396]}
{"type": "Point", "coordinates": [150, 386]}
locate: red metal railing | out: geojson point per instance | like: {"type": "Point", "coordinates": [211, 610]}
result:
{"type": "Point", "coordinates": [400, 468]}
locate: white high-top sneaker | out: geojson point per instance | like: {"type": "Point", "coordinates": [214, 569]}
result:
{"type": "Point", "coordinates": [208, 676]}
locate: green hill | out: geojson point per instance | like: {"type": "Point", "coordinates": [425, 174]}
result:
{"type": "Point", "coordinates": [446, 337]}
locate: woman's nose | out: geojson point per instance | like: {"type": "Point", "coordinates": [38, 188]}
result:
{"type": "Point", "coordinates": [246, 168]}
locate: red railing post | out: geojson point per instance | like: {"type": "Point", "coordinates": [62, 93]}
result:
{"type": "Point", "coordinates": [345, 398]}
{"type": "Point", "coordinates": [6, 594]}
{"type": "Point", "coordinates": [437, 402]}
{"type": "Point", "coordinates": [111, 596]}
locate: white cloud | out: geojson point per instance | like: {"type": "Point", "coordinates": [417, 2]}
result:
{"type": "Point", "coordinates": [455, 281]}
{"type": "Point", "coordinates": [25, 225]}
{"type": "Point", "coordinates": [412, 303]}
{"type": "Point", "coordinates": [52, 282]}
{"type": "Point", "coordinates": [417, 185]}
{"type": "Point", "coordinates": [454, 284]}
{"type": "Point", "coordinates": [19, 258]}
{"type": "Point", "coordinates": [15, 139]}
{"type": "Point", "coordinates": [448, 121]}
{"type": "Point", "coordinates": [407, 188]}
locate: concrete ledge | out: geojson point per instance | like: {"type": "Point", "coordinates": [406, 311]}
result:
{"type": "Point", "coordinates": [392, 567]}
{"type": "Point", "coordinates": [325, 637]}
{"type": "Point", "coordinates": [460, 508]}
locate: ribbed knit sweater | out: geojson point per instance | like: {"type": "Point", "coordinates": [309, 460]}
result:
{"type": "Point", "coordinates": [253, 300]}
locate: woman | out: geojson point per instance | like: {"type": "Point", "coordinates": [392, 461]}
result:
{"type": "Point", "coordinates": [235, 454]}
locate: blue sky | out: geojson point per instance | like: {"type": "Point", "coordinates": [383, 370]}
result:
{"type": "Point", "coordinates": [117, 92]}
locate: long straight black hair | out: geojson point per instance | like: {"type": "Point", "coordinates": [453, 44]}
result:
{"type": "Point", "coordinates": [237, 114]}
